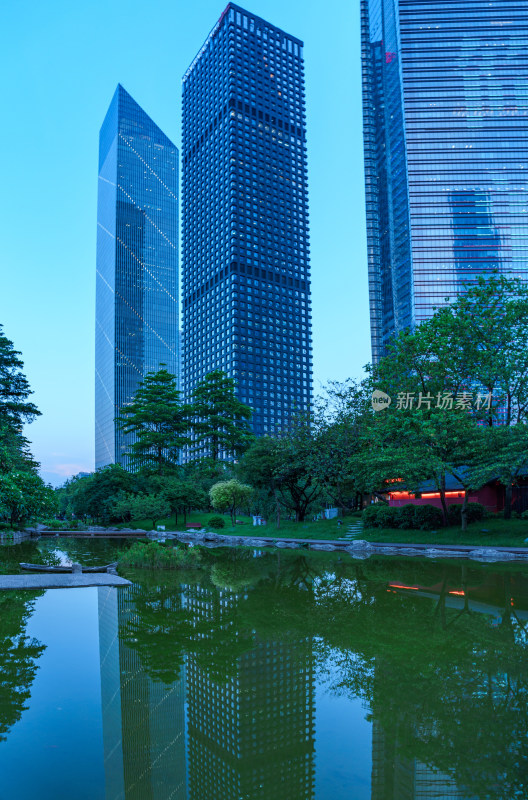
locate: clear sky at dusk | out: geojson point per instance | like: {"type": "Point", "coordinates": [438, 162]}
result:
{"type": "Point", "coordinates": [61, 64]}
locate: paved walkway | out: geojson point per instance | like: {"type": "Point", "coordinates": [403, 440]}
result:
{"type": "Point", "coordinates": [60, 581]}
{"type": "Point", "coordinates": [353, 531]}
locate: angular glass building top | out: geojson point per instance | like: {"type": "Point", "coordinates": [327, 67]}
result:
{"type": "Point", "coordinates": [246, 283]}
{"type": "Point", "coordinates": [445, 113]}
{"type": "Point", "coordinates": [137, 265]}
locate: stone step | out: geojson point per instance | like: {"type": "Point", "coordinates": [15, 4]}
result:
{"type": "Point", "coordinates": [353, 531]}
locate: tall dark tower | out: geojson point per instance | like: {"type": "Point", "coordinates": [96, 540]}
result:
{"type": "Point", "coordinates": [251, 717]}
{"type": "Point", "coordinates": [137, 265]}
{"type": "Point", "coordinates": [246, 282]}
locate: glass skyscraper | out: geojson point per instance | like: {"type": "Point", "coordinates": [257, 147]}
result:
{"type": "Point", "coordinates": [445, 107]}
{"type": "Point", "coordinates": [246, 282]}
{"type": "Point", "coordinates": [137, 265]}
{"type": "Point", "coordinates": [143, 719]}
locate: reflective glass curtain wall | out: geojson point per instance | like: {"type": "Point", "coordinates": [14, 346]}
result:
{"type": "Point", "coordinates": [137, 265]}
{"type": "Point", "coordinates": [246, 283]}
{"type": "Point", "coordinates": [445, 108]}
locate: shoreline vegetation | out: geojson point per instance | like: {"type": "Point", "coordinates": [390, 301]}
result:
{"type": "Point", "coordinates": [487, 532]}
{"type": "Point", "coordinates": [492, 531]}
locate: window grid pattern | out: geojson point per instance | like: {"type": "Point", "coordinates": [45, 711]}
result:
{"type": "Point", "coordinates": [245, 282]}
{"type": "Point", "coordinates": [445, 104]}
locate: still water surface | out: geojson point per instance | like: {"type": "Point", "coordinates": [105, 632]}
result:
{"type": "Point", "coordinates": [285, 676]}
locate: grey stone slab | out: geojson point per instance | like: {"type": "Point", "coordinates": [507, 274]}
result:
{"type": "Point", "coordinates": [60, 581]}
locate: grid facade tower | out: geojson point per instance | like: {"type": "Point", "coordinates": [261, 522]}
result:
{"type": "Point", "coordinates": [245, 277]}
{"type": "Point", "coordinates": [445, 119]}
{"type": "Point", "coordinates": [137, 265]}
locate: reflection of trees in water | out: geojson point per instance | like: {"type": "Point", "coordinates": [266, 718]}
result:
{"type": "Point", "coordinates": [18, 656]}
{"type": "Point", "coordinates": [442, 664]}
{"type": "Point", "coordinates": [447, 688]}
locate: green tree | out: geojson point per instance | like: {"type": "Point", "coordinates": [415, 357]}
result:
{"type": "Point", "coordinates": [258, 467]}
{"type": "Point", "coordinates": [14, 387]}
{"type": "Point", "coordinates": [221, 422]}
{"type": "Point", "coordinates": [284, 467]}
{"type": "Point", "coordinates": [24, 496]}
{"type": "Point", "coordinates": [153, 507]}
{"type": "Point", "coordinates": [14, 450]}
{"type": "Point", "coordinates": [505, 459]}
{"type": "Point", "coordinates": [95, 494]}
{"type": "Point", "coordinates": [338, 456]}
{"type": "Point", "coordinates": [472, 349]}
{"type": "Point", "coordinates": [297, 484]}
{"type": "Point", "coordinates": [230, 496]}
{"type": "Point", "coordinates": [475, 344]}
{"type": "Point", "coordinates": [183, 497]}
{"type": "Point", "coordinates": [19, 655]}
{"type": "Point", "coordinates": [159, 421]}
{"type": "Point", "coordinates": [121, 506]}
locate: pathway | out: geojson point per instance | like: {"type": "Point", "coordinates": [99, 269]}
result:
{"type": "Point", "coordinates": [61, 581]}
{"type": "Point", "coordinates": [354, 531]}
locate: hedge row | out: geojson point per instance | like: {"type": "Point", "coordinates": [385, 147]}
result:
{"type": "Point", "coordinates": [415, 517]}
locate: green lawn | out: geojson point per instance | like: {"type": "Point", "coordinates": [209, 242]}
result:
{"type": "Point", "coordinates": [322, 529]}
{"type": "Point", "coordinates": [489, 532]}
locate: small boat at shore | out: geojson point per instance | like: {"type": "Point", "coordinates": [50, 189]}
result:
{"type": "Point", "coordinates": [63, 569]}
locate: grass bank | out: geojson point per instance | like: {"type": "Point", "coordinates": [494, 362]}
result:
{"type": "Point", "coordinates": [494, 532]}
{"type": "Point", "coordinates": [320, 529]}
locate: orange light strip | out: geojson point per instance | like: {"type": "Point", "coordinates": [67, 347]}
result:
{"type": "Point", "coordinates": [428, 495]}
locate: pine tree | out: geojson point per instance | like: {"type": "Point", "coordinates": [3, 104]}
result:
{"type": "Point", "coordinates": [14, 387]}
{"type": "Point", "coordinates": [222, 421]}
{"type": "Point", "coordinates": [159, 420]}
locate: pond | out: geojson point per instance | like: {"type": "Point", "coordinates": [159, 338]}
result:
{"type": "Point", "coordinates": [284, 675]}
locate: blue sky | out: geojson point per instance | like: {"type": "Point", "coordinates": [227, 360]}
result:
{"type": "Point", "coordinates": [61, 64]}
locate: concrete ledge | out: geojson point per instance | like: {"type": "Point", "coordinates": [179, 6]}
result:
{"type": "Point", "coordinates": [60, 581]}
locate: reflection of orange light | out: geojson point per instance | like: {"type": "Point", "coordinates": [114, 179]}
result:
{"type": "Point", "coordinates": [394, 480]}
{"type": "Point", "coordinates": [458, 592]}
{"type": "Point", "coordinates": [402, 586]}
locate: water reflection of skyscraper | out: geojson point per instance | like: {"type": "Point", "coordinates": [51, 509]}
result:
{"type": "Point", "coordinates": [250, 729]}
{"type": "Point", "coordinates": [396, 777]}
{"type": "Point", "coordinates": [250, 709]}
{"type": "Point", "coordinates": [143, 719]}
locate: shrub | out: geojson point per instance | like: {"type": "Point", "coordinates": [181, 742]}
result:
{"type": "Point", "coordinates": [524, 514]}
{"type": "Point", "coordinates": [405, 517]}
{"type": "Point", "coordinates": [156, 556]}
{"type": "Point", "coordinates": [386, 516]}
{"type": "Point", "coordinates": [475, 512]}
{"type": "Point", "coordinates": [427, 517]}
{"type": "Point", "coordinates": [380, 516]}
{"type": "Point", "coordinates": [369, 516]}
{"type": "Point", "coordinates": [62, 524]}
{"type": "Point", "coordinates": [216, 523]}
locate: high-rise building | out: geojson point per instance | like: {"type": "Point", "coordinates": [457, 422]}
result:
{"type": "Point", "coordinates": [251, 713]}
{"type": "Point", "coordinates": [143, 718]}
{"type": "Point", "coordinates": [137, 265]}
{"type": "Point", "coordinates": [245, 276]}
{"type": "Point", "coordinates": [445, 107]}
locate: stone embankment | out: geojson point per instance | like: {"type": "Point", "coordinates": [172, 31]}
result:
{"type": "Point", "coordinates": [358, 549]}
